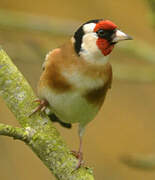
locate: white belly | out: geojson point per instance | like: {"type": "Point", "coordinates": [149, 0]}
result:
{"type": "Point", "coordinates": [70, 106]}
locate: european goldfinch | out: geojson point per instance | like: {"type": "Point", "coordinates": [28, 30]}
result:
{"type": "Point", "coordinates": [76, 76]}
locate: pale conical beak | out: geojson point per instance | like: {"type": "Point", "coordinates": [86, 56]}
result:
{"type": "Point", "coordinates": [120, 36]}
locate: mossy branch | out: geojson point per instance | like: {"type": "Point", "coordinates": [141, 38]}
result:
{"type": "Point", "coordinates": [15, 132]}
{"type": "Point", "coordinates": [37, 131]}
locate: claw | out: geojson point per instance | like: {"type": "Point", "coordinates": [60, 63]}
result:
{"type": "Point", "coordinates": [41, 107]}
{"type": "Point", "coordinates": [79, 156]}
{"type": "Point", "coordinates": [37, 100]}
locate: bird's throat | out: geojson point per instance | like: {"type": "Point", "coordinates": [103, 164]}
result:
{"type": "Point", "coordinates": [105, 47]}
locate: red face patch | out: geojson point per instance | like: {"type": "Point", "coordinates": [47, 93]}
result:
{"type": "Point", "coordinates": [102, 43]}
{"type": "Point", "coordinates": [106, 25]}
{"type": "Point", "coordinates": [104, 46]}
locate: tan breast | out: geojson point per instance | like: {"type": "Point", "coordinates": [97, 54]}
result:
{"type": "Point", "coordinates": [65, 71]}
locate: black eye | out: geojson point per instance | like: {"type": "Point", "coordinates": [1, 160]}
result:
{"type": "Point", "coordinates": [101, 33]}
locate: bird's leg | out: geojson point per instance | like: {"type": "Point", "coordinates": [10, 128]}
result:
{"type": "Point", "coordinates": [78, 154]}
{"type": "Point", "coordinates": [41, 107]}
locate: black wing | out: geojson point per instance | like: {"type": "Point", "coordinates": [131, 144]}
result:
{"type": "Point", "coordinates": [54, 118]}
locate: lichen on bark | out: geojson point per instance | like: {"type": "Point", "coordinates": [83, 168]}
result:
{"type": "Point", "coordinates": [43, 138]}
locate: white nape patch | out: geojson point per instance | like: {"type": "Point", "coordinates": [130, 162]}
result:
{"type": "Point", "coordinates": [88, 28]}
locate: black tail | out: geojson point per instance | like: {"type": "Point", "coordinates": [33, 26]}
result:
{"type": "Point", "coordinates": [54, 118]}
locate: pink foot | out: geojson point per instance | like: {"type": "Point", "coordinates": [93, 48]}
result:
{"type": "Point", "coordinates": [41, 107]}
{"type": "Point", "coordinates": [79, 156]}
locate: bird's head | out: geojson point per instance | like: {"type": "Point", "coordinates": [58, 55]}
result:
{"type": "Point", "coordinates": [97, 38]}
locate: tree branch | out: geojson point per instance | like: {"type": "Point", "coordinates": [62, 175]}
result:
{"type": "Point", "coordinates": [45, 140]}
{"type": "Point", "coordinates": [15, 132]}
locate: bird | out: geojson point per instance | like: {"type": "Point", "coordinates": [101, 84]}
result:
{"type": "Point", "coordinates": [77, 75]}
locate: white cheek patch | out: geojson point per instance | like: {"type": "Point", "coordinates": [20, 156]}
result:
{"type": "Point", "coordinates": [88, 28]}
{"type": "Point", "coordinates": [89, 43]}
{"type": "Point", "coordinates": [89, 49]}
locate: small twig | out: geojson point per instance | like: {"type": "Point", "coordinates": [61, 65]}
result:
{"type": "Point", "coordinates": [15, 132]}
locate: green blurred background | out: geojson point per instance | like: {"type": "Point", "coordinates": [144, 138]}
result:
{"type": "Point", "coordinates": [126, 123]}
